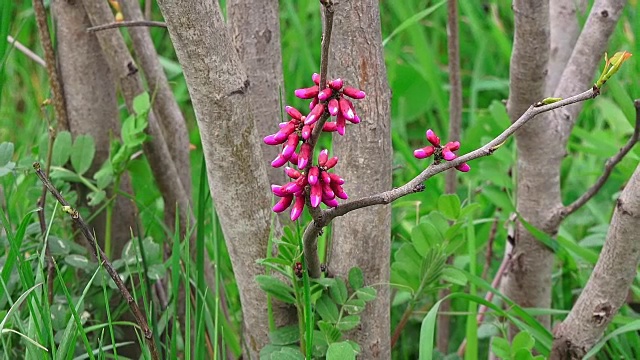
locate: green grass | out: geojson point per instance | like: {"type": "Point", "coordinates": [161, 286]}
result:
{"type": "Point", "coordinates": [416, 66]}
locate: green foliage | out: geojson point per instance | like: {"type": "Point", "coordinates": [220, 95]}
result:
{"type": "Point", "coordinates": [519, 349]}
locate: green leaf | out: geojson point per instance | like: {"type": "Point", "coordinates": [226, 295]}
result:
{"type": "Point", "coordinates": [331, 334]}
{"type": "Point", "coordinates": [354, 306]}
{"type": "Point", "coordinates": [340, 351]}
{"type": "Point", "coordinates": [133, 131]}
{"type": "Point", "coordinates": [277, 288]}
{"type": "Point", "coordinates": [500, 347]}
{"type": "Point", "coordinates": [367, 294]}
{"type": "Point", "coordinates": [356, 279]}
{"type": "Point", "coordinates": [348, 322]}
{"type": "Point", "coordinates": [449, 206]}
{"type": "Point", "coordinates": [104, 176]}
{"type": "Point", "coordinates": [79, 262]}
{"type": "Point", "coordinates": [405, 270]}
{"type": "Point", "coordinates": [339, 291]}
{"type": "Point", "coordinates": [523, 340]}
{"type": "Point", "coordinates": [141, 103]}
{"type": "Point", "coordinates": [61, 149]}
{"type": "Point", "coordinates": [522, 354]}
{"type": "Point", "coordinates": [156, 272]}
{"type": "Point", "coordinates": [96, 197]}
{"type": "Point", "coordinates": [540, 235]}
{"type": "Point", "coordinates": [285, 335]}
{"type": "Point", "coordinates": [82, 153]}
{"type": "Point", "coordinates": [454, 276]}
{"type": "Point", "coordinates": [287, 353]}
{"type": "Point", "coordinates": [327, 309]}
{"type": "Point", "coordinates": [6, 153]}
{"type": "Point", "coordinates": [425, 236]}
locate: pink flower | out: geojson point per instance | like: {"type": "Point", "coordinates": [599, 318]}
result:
{"type": "Point", "coordinates": [440, 152]}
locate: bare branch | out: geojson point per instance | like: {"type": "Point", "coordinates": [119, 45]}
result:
{"type": "Point", "coordinates": [455, 97]}
{"type": "Point", "coordinates": [131, 23]}
{"type": "Point", "coordinates": [99, 254]}
{"type": "Point", "coordinates": [608, 169]}
{"type": "Point", "coordinates": [25, 50]}
{"type": "Point", "coordinates": [50, 60]}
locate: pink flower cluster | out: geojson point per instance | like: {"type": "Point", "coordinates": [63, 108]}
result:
{"type": "Point", "coordinates": [441, 152]}
{"type": "Point", "coordinates": [324, 187]}
{"type": "Point", "coordinates": [331, 98]}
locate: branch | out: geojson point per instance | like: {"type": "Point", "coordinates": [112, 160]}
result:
{"type": "Point", "coordinates": [99, 254]}
{"type": "Point", "coordinates": [417, 183]}
{"type": "Point", "coordinates": [50, 60]}
{"type": "Point", "coordinates": [310, 238]}
{"type": "Point", "coordinates": [608, 169]}
{"type": "Point", "coordinates": [132, 23]}
{"type": "Point", "coordinates": [455, 97]}
{"type": "Point", "coordinates": [25, 50]}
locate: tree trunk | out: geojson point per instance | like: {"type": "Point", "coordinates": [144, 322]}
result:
{"type": "Point", "coordinates": [92, 107]}
{"type": "Point", "coordinates": [237, 173]}
{"type": "Point", "coordinates": [528, 281]}
{"type": "Point", "coordinates": [256, 35]}
{"type": "Point", "coordinates": [610, 280]}
{"type": "Point", "coordinates": [362, 238]}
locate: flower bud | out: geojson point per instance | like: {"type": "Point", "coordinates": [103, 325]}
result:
{"type": "Point", "coordinates": [330, 202]}
{"type": "Point", "coordinates": [303, 156]}
{"type": "Point", "coordinates": [313, 175]}
{"type": "Point", "coordinates": [322, 158]}
{"type": "Point", "coordinates": [282, 134]}
{"type": "Point", "coordinates": [333, 107]}
{"type": "Point", "coordinates": [277, 190]}
{"type": "Point", "coordinates": [316, 78]}
{"type": "Point", "coordinates": [336, 84]}
{"type": "Point", "coordinates": [279, 161]}
{"type": "Point", "coordinates": [325, 94]}
{"type": "Point", "coordinates": [453, 145]}
{"type": "Point", "coordinates": [340, 124]}
{"type": "Point", "coordinates": [346, 109]}
{"type": "Point", "coordinates": [335, 179]}
{"type": "Point", "coordinates": [447, 154]}
{"type": "Point", "coordinates": [315, 114]}
{"type": "Point", "coordinates": [290, 147]}
{"type": "Point", "coordinates": [313, 103]}
{"type": "Point", "coordinates": [331, 163]}
{"type": "Point", "coordinates": [283, 204]}
{"type": "Point", "coordinates": [324, 176]}
{"type": "Point", "coordinates": [298, 206]}
{"type": "Point", "coordinates": [339, 191]}
{"type": "Point", "coordinates": [270, 140]}
{"type": "Point", "coordinates": [354, 93]}
{"type": "Point", "coordinates": [307, 93]}
{"type": "Point", "coordinates": [329, 127]}
{"type": "Point", "coordinates": [433, 139]}
{"type": "Point", "coordinates": [425, 152]}
{"type": "Point", "coordinates": [293, 112]}
{"type": "Point", "coordinates": [306, 132]}
{"type": "Point", "coordinates": [327, 191]}
{"type": "Point", "coordinates": [464, 167]}
{"type": "Point", "coordinates": [292, 173]}
{"type": "Point", "coordinates": [315, 195]}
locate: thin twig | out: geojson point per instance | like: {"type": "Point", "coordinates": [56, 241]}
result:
{"type": "Point", "coordinates": [25, 50]}
{"type": "Point", "coordinates": [50, 59]}
{"type": "Point", "coordinates": [489, 255]}
{"type": "Point", "coordinates": [131, 23]}
{"type": "Point", "coordinates": [608, 169]}
{"type": "Point", "coordinates": [99, 254]}
{"type": "Point", "coordinates": [310, 238]}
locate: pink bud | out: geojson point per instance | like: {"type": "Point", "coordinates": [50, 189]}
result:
{"type": "Point", "coordinates": [453, 146]}
{"type": "Point", "coordinates": [313, 103]}
{"type": "Point", "coordinates": [294, 158]}
{"type": "Point", "coordinates": [291, 187]}
{"type": "Point", "coordinates": [329, 127]}
{"type": "Point", "coordinates": [270, 140]}
{"type": "Point", "coordinates": [290, 147]}
{"type": "Point", "coordinates": [331, 163]}
{"type": "Point", "coordinates": [293, 112]}
{"type": "Point", "coordinates": [346, 109]}
{"type": "Point", "coordinates": [282, 124]}
{"type": "Point", "coordinates": [306, 132]}
{"type": "Point", "coordinates": [333, 107]}
{"type": "Point", "coordinates": [292, 173]}
{"type": "Point", "coordinates": [279, 161]}
{"type": "Point", "coordinates": [315, 114]}
{"type": "Point", "coordinates": [330, 202]}
{"type": "Point", "coordinates": [303, 156]}
{"type": "Point", "coordinates": [340, 124]}
{"type": "Point", "coordinates": [354, 93]}
{"type": "Point", "coordinates": [307, 93]}
{"type": "Point", "coordinates": [313, 175]}
{"type": "Point", "coordinates": [324, 176]}
{"type": "Point", "coordinates": [315, 195]}
{"type": "Point", "coordinates": [336, 84]}
{"type": "Point", "coordinates": [327, 192]}
{"type": "Point", "coordinates": [283, 204]}
{"type": "Point", "coordinates": [277, 190]}
{"type": "Point", "coordinates": [322, 158]}
{"type": "Point", "coordinates": [356, 120]}
{"type": "Point", "coordinates": [298, 206]}
{"type": "Point", "coordinates": [425, 152]}
{"type": "Point", "coordinates": [325, 94]}
{"type": "Point", "coordinates": [282, 134]}
{"type": "Point", "coordinates": [335, 179]}
{"type": "Point", "coordinates": [464, 167]}
{"type": "Point", "coordinates": [339, 191]}
{"type": "Point", "coordinates": [302, 182]}
{"type": "Point", "coordinates": [433, 139]}
{"type": "Point", "coordinates": [316, 78]}
{"type": "Point", "coordinates": [447, 154]}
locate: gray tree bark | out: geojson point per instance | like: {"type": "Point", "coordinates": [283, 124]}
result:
{"type": "Point", "coordinates": [362, 238]}
{"type": "Point", "coordinates": [564, 30]}
{"type": "Point", "coordinates": [610, 280]}
{"type": "Point", "coordinates": [237, 173]}
{"type": "Point", "coordinates": [256, 35]}
{"type": "Point", "coordinates": [528, 281]}
{"type": "Point", "coordinates": [92, 107]}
